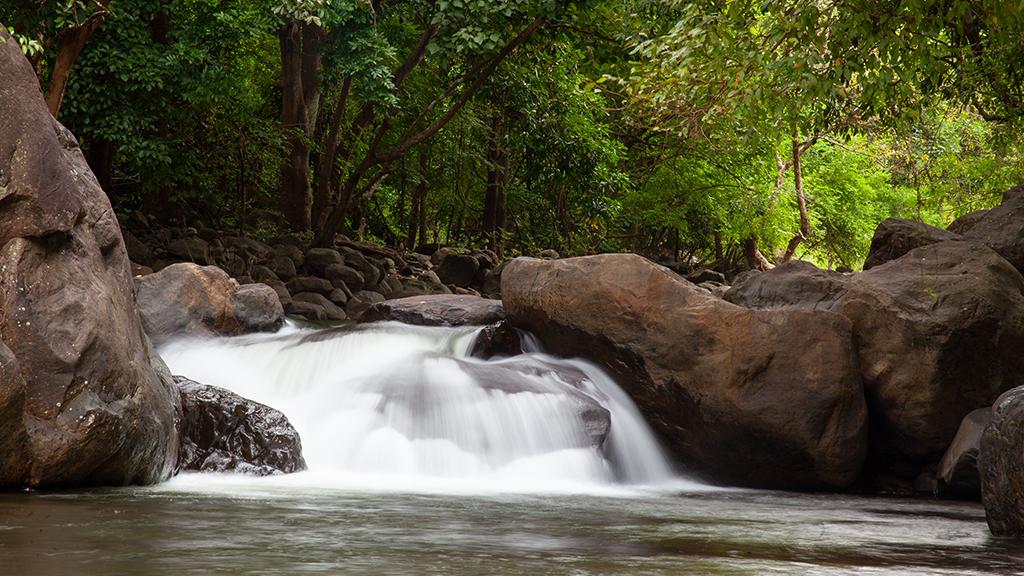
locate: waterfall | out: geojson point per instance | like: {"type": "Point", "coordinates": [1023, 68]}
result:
{"type": "Point", "coordinates": [395, 404]}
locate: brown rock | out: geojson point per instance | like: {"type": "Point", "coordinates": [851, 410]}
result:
{"type": "Point", "coordinates": [189, 300]}
{"type": "Point", "coordinates": [894, 237]}
{"type": "Point", "coordinates": [938, 333]}
{"type": "Point", "coordinates": [1002, 228]}
{"type": "Point", "coordinates": [76, 369]}
{"type": "Point", "coordinates": [769, 399]}
{"type": "Point", "coordinates": [1001, 467]}
{"type": "Point", "coordinates": [437, 310]}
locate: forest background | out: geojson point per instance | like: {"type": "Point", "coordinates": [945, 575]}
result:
{"type": "Point", "coordinates": [737, 133]}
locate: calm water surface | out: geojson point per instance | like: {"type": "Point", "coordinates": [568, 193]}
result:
{"type": "Point", "coordinates": [186, 527]}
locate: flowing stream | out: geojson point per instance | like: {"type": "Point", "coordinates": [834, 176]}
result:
{"type": "Point", "coordinates": [406, 407]}
{"type": "Point", "coordinates": [425, 461]}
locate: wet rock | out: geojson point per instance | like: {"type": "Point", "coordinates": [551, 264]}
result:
{"type": "Point", "coordinates": [189, 300]}
{"type": "Point", "coordinates": [437, 310]}
{"type": "Point", "coordinates": [894, 237]}
{"type": "Point", "coordinates": [958, 469]}
{"type": "Point", "coordinates": [938, 333]}
{"type": "Point", "coordinates": [83, 401]}
{"type": "Point", "coordinates": [718, 382]}
{"type": "Point", "coordinates": [498, 339]}
{"type": "Point", "coordinates": [223, 432]}
{"type": "Point", "coordinates": [1001, 466]}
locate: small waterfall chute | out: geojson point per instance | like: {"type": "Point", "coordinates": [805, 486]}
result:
{"type": "Point", "coordinates": [393, 401]}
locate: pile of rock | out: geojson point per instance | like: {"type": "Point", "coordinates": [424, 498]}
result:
{"type": "Point", "coordinates": [336, 283]}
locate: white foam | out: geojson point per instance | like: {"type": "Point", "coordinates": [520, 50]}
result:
{"type": "Point", "coordinates": [397, 407]}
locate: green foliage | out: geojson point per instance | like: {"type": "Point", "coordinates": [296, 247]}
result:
{"type": "Point", "coordinates": [661, 127]}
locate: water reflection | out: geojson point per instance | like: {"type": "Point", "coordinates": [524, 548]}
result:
{"type": "Point", "coordinates": [164, 530]}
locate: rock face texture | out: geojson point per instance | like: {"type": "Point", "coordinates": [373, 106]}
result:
{"type": "Point", "coordinates": [1001, 465]}
{"type": "Point", "coordinates": [895, 237]}
{"type": "Point", "coordinates": [939, 332]}
{"type": "Point", "coordinates": [223, 432]}
{"type": "Point", "coordinates": [80, 399]}
{"type": "Point", "coordinates": [189, 300]}
{"type": "Point", "coordinates": [438, 310]}
{"type": "Point", "coordinates": [1001, 228]}
{"type": "Point", "coordinates": [757, 398]}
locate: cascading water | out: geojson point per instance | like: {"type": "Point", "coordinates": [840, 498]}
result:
{"type": "Point", "coordinates": [396, 405]}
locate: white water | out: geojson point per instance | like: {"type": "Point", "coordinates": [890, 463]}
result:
{"type": "Point", "coordinates": [392, 406]}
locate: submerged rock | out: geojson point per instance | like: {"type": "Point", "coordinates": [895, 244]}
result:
{"type": "Point", "coordinates": [498, 339]}
{"type": "Point", "coordinates": [81, 401]}
{"type": "Point", "coordinates": [939, 332]}
{"type": "Point", "coordinates": [437, 310]}
{"type": "Point", "coordinates": [1001, 465]}
{"type": "Point", "coordinates": [189, 300]}
{"type": "Point", "coordinates": [758, 398]}
{"type": "Point", "coordinates": [223, 432]}
{"type": "Point", "coordinates": [518, 375]}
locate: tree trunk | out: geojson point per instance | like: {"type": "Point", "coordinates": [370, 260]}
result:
{"type": "Point", "coordinates": [417, 208]}
{"type": "Point", "coordinates": [328, 157]}
{"type": "Point", "coordinates": [497, 180]}
{"type": "Point", "coordinates": [755, 259]}
{"type": "Point", "coordinates": [801, 200]}
{"type": "Point", "coordinates": [72, 40]}
{"type": "Point", "coordinates": [300, 102]}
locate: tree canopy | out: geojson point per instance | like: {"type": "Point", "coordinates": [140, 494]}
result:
{"type": "Point", "coordinates": [727, 132]}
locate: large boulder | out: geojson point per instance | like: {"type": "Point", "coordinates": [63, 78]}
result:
{"type": "Point", "coordinates": [939, 332]}
{"type": "Point", "coordinates": [223, 432]}
{"type": "Point", "coordinates": [198, 301]}
{"type": "Point", "coordinates": [757, 398]}
{"type": "Point", "coordinates": [894, 237]}
{"type": "Point", "coordinates": [1001, 228]}
{"type": "Point", "coordinates": [81, 401]}
{"type": "Point", "coordinates": [437, 310]}
{"type": "Point", "coordinates": [1001, 465]}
